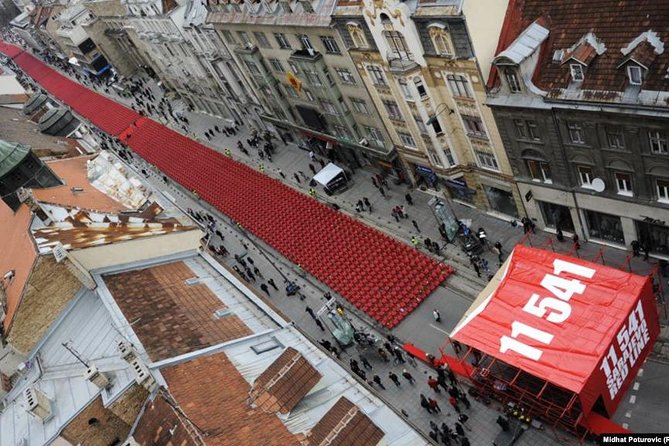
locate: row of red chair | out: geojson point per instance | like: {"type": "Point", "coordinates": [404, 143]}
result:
{"type": "Point", "coordinates": [381, 276]}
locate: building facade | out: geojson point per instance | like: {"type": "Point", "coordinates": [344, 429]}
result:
{"type": "Point", "coordinates": [309, 87]}
{"type": "Point", "coordinates": [418, 64]}
{"type": "Point", "coordinates": [582, 109]}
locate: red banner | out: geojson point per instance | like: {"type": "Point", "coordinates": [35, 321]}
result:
{"type": "Point", "coordinates": [579, 325]}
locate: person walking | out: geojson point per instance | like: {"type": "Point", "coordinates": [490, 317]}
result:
{"type": "Point", "coordinates": [433, 383]}
{"type": "Point", "coordinates": [297, 178]}
{"type": "Point", "coordinates": [459, 429]}
{"type": "Point", "coordinates": [636, 248]}
{"type": "Point", "coordinates": [376, 184]}
{"type": "Point", "coordinates": [425, 404]}
{"type": "Point", "coordinates": [409, 199]}
{"type": "Point", "coordinates": [415, 225]}
{"type": "Point", "coordinates": [415, 243]}
{"type": "Point", "coordinates": [382, 191]}
{"type": "Point", "coordinates": [365, 362]}
{"type": "Point", "coordinates": [320, 324]}
{"type": "Point", "coordinates": [377, 380]}
{"type": "Point", "coordinates": [463, 420]}
{"type": "Point", "coordinates": [383, 355]}
{"type": "Point", "coordinates": [451, 375]}
{"type": "Point", "coordinates": [272, 284]}
{"type": "Point", "coordinates": [394, 378]}
{"type": "Point", "coordinates": [310, 311]}
{"type": "Point", "coordinates": [434, 405]}
{"type": "Point", "coordinates": [463, 398]}
{"type": "Point", "coordinates": [365, 200]}
{"type": "Point", "coordinates": [399, 357]}
{"type": "Point", "coordinates": [477, 269]}
{"type": "Point", "coordinates": [265, 289]}
{"type": "Point", "coordinates": [454, 403]}
{"type": "Point", "coordinates": [312, 168]}
{"type": "Point", "coordinates": [408, 376]}
{"type": "Point", "coordinates": [436, 315]}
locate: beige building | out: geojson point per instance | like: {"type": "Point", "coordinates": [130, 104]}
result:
{"type": "Point", "coordinates": [308, 85]}
{"type": "Point", "coordinates": [418, 64]}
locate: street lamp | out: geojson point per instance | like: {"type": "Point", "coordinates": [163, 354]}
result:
{"type": "Point", "coordinates": [433, 118]}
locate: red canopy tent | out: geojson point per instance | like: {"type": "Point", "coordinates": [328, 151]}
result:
{"type": "Point", "coordinates": [560, 336]}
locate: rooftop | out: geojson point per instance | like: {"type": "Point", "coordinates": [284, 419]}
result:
{"type": "Point", "coordinates": [15, 126]}
{"type": "Point", "coordinates": [344, 425]}
{"type": "Point", "coordinates": [176, 317]}
{"type": "Point", "coordinates": [599, 34]}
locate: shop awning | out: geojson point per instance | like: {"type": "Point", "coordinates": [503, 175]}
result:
{"type": "Point", "coordinates": [327, 174]}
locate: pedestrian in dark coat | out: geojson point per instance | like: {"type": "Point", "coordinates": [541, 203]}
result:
{"type": "Point", "coordinates": [265, 289]}
{"type": "Point", "coordinates": [409, 199]}
{"type": "Point", "coordinates": [463, 397]}
{"type": "Point", "coordinates": [310, 311]}
{"type": "Point", "coordinates": [383, 354]}
{"type": "Point", "coordinates": [365, 200]}
{"type": "Point", "coordinates": [408, 376]}
{"type": "Point", "coordinates": [377, 380]}
{"type": "Point", "coordinates": [365, 363]}
{"type": "Point", "coordinates": [452, 391]}
{"type": "Point", "coordinates": [320, 324]}
{"type": "Point", "coordinates": [376, 184]}
{"type": "Point", "coordinates": [297, 178]}
{"type": "Point", "coordinates": [459, 429]}
{"type": "Point", "coordinates": [415, 225]}
{"type": "Point", "coordinates": [425, 404]}
{"type": "Point", "coordinates": [434, 405]}
{"type": "Point", "coordinates": [273, 285]}
{"type": "Point", "coordinates": [394, 378]}
{"type": "Point", "coordinates": [477, 269]}
{"type": "Point", "coordinates": [399, 356]}
{"type": "Point", "coordinates": [463, 420]}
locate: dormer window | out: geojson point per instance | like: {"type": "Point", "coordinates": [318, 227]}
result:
{"type": "Point", "coordinates": [441, 40]}
{"type": "Point", "coordinates": [357, 35]}
{"type": "Point", "coordinates": [512, 80]}
{"type": "Point", "coordinates": [634, 74]}
{"type": "Point", "coordinates": [577, 74]}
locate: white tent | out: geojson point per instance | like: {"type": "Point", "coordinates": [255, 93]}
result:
{"type": "Point", "coordinates": [327, 174]}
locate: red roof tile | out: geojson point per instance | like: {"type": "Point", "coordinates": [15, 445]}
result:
{"type": "Point", "coordinates": [161, 425]}
{"type": "Point", "coordinates": [643, 54]}
{"type": "Point", "coordinates": [173, 317]}
{"type": "Point", "coordinates": [615, 22]}
{"type": "Point", "coordinates": [213, 394]}
{"type": "Point", "coordinates": [345, 425]}
{"type": "Point", "coordinates": [285, 382]}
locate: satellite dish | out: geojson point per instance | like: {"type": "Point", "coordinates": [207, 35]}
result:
{"type": "Point", "coordinates": [598, 185]}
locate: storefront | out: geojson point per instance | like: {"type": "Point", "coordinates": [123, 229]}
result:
{"type": "Point", "coordinates": [426, 176]}
{"type": "Point", "coordinates": [656, 234]}
{"type": "Point", "coordinates": [604, 226]}
{"type": "Point", "coordinates": [501, 200]}
{"type": "Point", "coordinates": [556, 216]}
{"type": "Point", "coordinates": [459, 190]}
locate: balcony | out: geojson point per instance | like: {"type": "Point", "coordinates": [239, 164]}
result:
{"type": "Point", "coordinates": [246, 48]}
{"type": "Point", "coordinates": [400, 63]}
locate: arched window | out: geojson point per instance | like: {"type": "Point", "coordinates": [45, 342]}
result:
{"type": "Point", "coordinates": [397, 45]}
{"type": "Point", "coordinates": [357, 35]}
{"type": "Point", "coordinates": [386, 22]}
{"type": "Point", "coordinates": [420, 87]}
{"type": "Point", "coordinates": [441, 40]}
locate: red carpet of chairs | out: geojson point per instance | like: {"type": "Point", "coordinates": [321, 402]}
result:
{"type": "Point", "coordinates": [381, 276]}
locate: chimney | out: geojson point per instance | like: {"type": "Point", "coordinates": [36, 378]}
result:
{"type": "Point", "coordinates": [97, 377]}
{"type": "Point", "coordinates": [143, 376]}
{"type": "Point", "coordinates": [128, 353]}
{"type": "Point", "coordinates": [37, 404]}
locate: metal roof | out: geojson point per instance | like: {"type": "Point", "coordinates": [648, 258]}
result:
{"type": "Point", "coordinates": [11, 154]}
{"type": "Point", "coordinates": [526, 44]}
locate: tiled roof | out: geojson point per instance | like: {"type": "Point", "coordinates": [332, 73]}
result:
{"type": "Point", "coordinates": [643, 54]}
{"type": "Point", "coordinates": [161, 424]}
{"type": "Point", "coordinates": [214, 396]}
{"type": "Point", "coordinates": [18, 254]}
{"type": "Point", "coordinates": [73, 173]}
{"type": "Point", "coordinates": [345, 425]}
{"type": "Point", "coordinates": [583, 53]}
{"type": "Point", "coordinates": [285, 382]}
{"type": "Point", "coordinates": [174, 317]}
{"type": "Point", "coordinates": [615, 22]}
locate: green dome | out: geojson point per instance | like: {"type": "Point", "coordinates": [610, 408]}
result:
{"type": "Point", "coordinates": [11, 155]}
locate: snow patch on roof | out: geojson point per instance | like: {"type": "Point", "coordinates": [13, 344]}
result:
{"type": "Point", "coordinates": [651, 37]}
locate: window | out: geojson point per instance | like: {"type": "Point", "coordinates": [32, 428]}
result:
{"type": "Point", "coordinates": [295, 69]}
{"type": "Point", "coordinates": [539, 171]}
{"type": "Point", "coordinates": [305, 42]}
{"type": "Point", "coordinates": [313, 78]}
{"type": "Point", "coordinates": [406, 91]}
{"type": "Point", "coordinates": [357, 35]}
{"type": "Point", "coordinates": [421, 125]}
{"type": "Point", "coordinates": [343, 105]}
{"type": "Point", "coordinates": [330, 45]}
{"type": "Point", "coordinates": [407, 140]}
{"type": "Point", "coordinates": [459, 86]}
{"type": "Point", "coordinates": [532, 130]}
{"type": "Point", "coordinates": [512, 80]}
{"type": "Point", "coordinates": [576, 72]}
{"type": "Point", "coordinates": [604, 226]}
{"type": "Point", "coordinates": [393, 110]}
{"type": "Point", "coordinates": [624, 184]}
{"type": "Point", "coordinates": [345, 76]}
{"type": "Point", "coordinates": [329, 107]}
{"type": "Point", "coordinates": [328, 77]}
{"type": "Point", "coordinates": [310, 96]}
{"type": "Point", "coordinates": [449, 157]}
{"type": "Point", "coordinates": [244, 37]}
{"type": "Point", "coordinates": [261, 38]}
{"type": "Point", "coordinates": [374, 135]}
{"type": "Point", "coordinates": [290, 91]}
{"type": "Point", "coordinates": [487, 160]}
{"type": "Point", "coordinates": [662, 190]}
{"type": "Point", "coordinates": [342, 131]}
{"type": "Point", "coordinates": [434, 158]}
{"type": "Point", "coordinates": [282, 41]}
{"type": "Point", "coordinates": [575, 133]}
{"type": "Point", "coordinates": [376, 73]}
{"type": "Point", "coordinates": [615, 138]}
{"type": "Point", "coordinates": [585, 175]}
{"type": "Point", "coordinates": [441, 41]}
{"type": "Point", "coordinates": [306, 5]}
{"type": "Point", "coordinates": [420, 87]}
{"type": "Point", "coordinates": [253, 68]}
{"type": "Point", "coordinates": [227, 35]}
{"type": "Point", "coordinates": [519, 124]}
{"type": "Point", "coordinates": [634, 74]}
{"type": "Point", "coordinates": [436, 126]}
{"type": "Point", "coordinates": [359, 106]}
{"type": "Point", "coordinates": [397, 44]}
{"type": "Point", "coordinates": [659, 143]}
{"type": "Point", "coordinates": [474, 126]}
{"type": "Point", "coordinates": [277, 65]}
